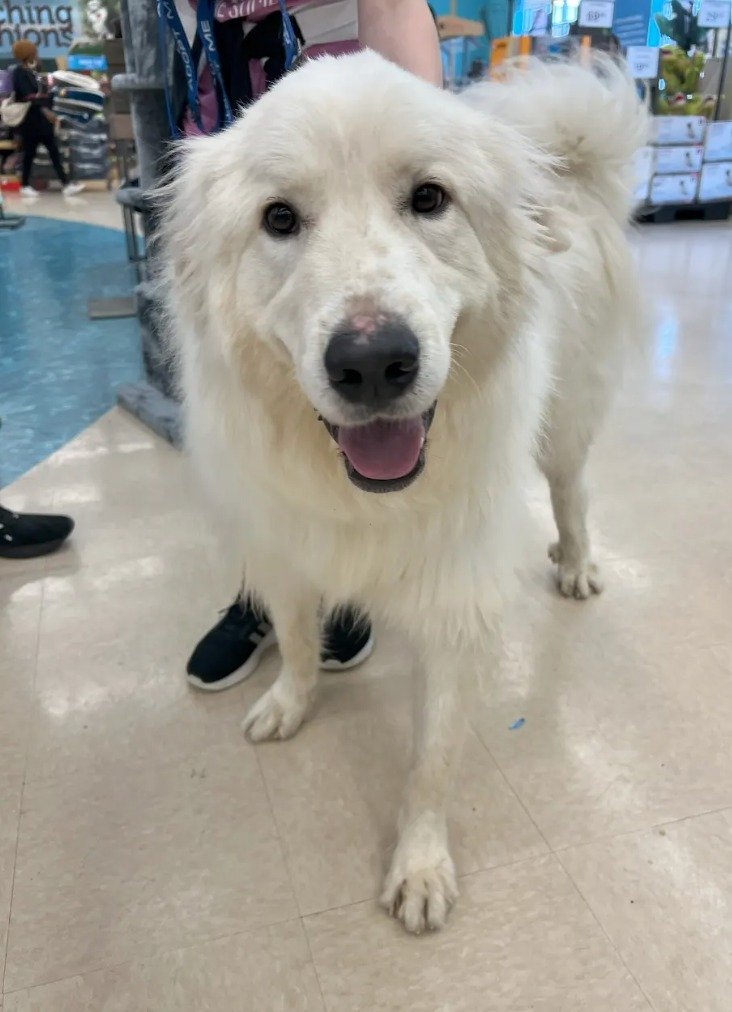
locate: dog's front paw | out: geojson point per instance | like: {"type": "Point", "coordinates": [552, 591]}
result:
{"type": "Point", "coordinates": [421, 885]}
{"type": "Point", "coordinates": [578, 580]}
{"type": "Point", "coordinates": [277, 714]}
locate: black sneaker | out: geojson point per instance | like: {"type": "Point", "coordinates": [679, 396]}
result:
{"type": "Point", "coordinates": [27, 535]}
{"type": "Point", "coordinates": [232, 650]}
{"type": "Point", "coordinates": [347, 641]}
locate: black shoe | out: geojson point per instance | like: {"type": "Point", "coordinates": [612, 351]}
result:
{"type": "Point", "coordinates": [26, 535]}
{"type": "Point", "coordinates": [347, 641]}
{"type": "Point", "coordinates": [232, 650]}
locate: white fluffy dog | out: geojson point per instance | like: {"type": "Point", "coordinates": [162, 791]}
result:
{"type": "Point", "coordinates": [379, 287]}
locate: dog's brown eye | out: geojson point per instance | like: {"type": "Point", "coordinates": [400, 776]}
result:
{"type": "Point", "coordinates": [281, 220]}
{"type": "Point", "coordinates": [428, 199]}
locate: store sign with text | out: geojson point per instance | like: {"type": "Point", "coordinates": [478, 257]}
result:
{"type": "Point", "coordinates": [51, 26]}
{"type": "Point", "coordinates": [54, 26]}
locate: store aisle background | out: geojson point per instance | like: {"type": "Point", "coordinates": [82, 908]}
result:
{"type": "Point", "coordinates": [151, 858]}
{"type": "Point", "coordinates": [60, 370]}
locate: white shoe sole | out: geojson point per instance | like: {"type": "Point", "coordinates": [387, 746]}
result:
{"type": "Point", "coordinates": [247, 670]}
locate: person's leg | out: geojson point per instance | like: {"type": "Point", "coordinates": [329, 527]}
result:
{"type": "Point", "coordinates": [404, 32]}
{"type": "Point", "coordinates": [30, 146]}
{"type": "Point", "coordinates": [49, 142]}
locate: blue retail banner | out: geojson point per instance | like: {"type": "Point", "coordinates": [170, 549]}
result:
{"type": "Point", "coordinates": [630, 22]}
{"type": "Point", "coordinates": [84, 61]}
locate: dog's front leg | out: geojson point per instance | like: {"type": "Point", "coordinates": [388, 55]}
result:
{"type": "Point", "coordinates": [280, 711]}
{"type": "Point", "coordinates": [421, 884]}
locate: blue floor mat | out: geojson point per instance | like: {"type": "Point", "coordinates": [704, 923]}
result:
{"type": "Point", "coordinates": [59, 370]}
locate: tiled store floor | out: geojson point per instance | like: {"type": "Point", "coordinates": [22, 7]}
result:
{"type": "Point", "coordinates": [150, 858]}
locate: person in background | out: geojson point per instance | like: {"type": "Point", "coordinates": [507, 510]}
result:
{"type": "Point", "coordinates": [404, 32]}
{"type": "Point", "coordinates": [38, 125]}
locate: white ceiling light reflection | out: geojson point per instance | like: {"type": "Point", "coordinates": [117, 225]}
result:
{"type": "Point", "coordinates": [665, 346]}
{"type": "Point", "coordinates": [82, 452]}
{"type": "Point", "coordinates": [121, 572]}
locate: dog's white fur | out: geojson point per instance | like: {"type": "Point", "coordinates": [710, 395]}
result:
{"type": "Point", "coordinates": [521, 295]}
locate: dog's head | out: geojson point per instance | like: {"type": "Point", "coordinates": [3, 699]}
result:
{"type": "Point", "coordinates": [368, 229]}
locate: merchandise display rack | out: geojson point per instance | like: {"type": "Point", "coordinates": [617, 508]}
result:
{"type": "Point", "coordinates": [153, 399]}
{"type": "Point", "coordinates": [686, 172]}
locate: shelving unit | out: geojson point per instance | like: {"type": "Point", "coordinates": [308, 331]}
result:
{"type": "Point", "coordinates": [687, 171]}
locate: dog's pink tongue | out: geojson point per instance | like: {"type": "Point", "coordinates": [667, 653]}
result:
{"type": "Point", "coordinates": [383, 450]}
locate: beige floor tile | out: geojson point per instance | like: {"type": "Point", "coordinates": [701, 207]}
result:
{"type": "Point", "coordinates": [627, 724]}
{"type": "Point", "coordinates": [264, 970]}
{"type": "Point", "coordinates": [113, 684]}
{"type": "Point", "coordinates": [688, 338]}
{"type": "Point", "coordinates": [650, 604]}
{"type": "Point", "coordinates": [519, 938]}
{"type": "Point", "coordinates": [102, 478]}
{"type": "Point", "coordinates": [31, 493]}
{"type": "Point", "coordinates": [336, 788]}
{"type": "Point", "coordinates": [665, 514]}
{"type": "Point", "coordinates": [646, 499]}
{"type": "Point", "coordinates": [93, 207]}
{"type": "Point", "coordinates": [664, 897]}
{"type": "Point", "coordinates": [10, 794]}
{"type": "Point", "coordinates": [692, 258]}
{"type": "Point", "coordinates": [131, 858]}
{"type": "Point", "coordinates": [20, 609]}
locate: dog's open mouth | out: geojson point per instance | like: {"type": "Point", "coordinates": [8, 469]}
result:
{"type": "Point", "coordinates": [385, 455]}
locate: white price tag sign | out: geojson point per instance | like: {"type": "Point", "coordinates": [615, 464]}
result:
{"type": "Point", "coordinates": [713, 14]}
{"type": "Point", "coordinates": [596, 13]}
{"type": "Point", "coordinates": [642, 61]}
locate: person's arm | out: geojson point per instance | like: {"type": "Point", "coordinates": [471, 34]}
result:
{"type": "Point", "coordinates": [404, 32]}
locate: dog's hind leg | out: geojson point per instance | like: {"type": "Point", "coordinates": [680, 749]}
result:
{"type": "Point", "coordinates": [562, 457]}
{"type": "Point", "coordinates": [577, 574]}
{"type": "Point", "coordinates": [294, 613]}
{"type": "Point", "coordinates": [421, 884]}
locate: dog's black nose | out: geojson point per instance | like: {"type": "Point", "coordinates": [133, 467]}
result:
{"type": "Point", "coordinates": [373, 367]}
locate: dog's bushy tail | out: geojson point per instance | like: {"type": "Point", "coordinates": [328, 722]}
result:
{"type": "Point", "coordinates": [585, 114]}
